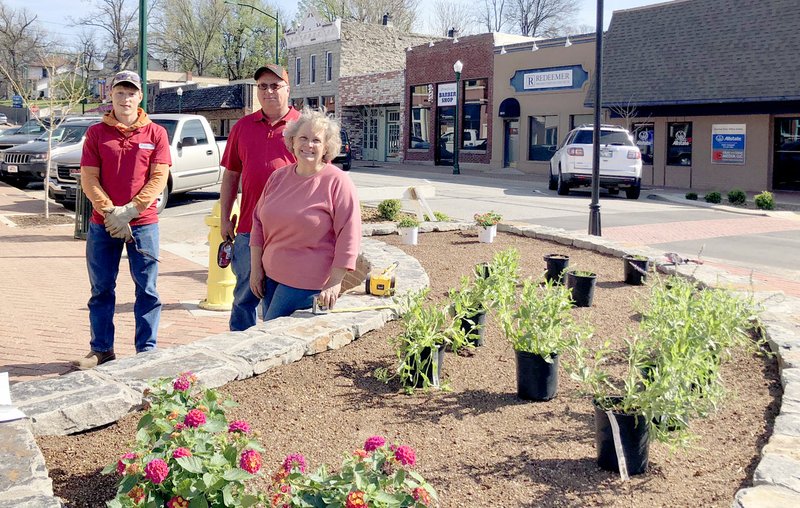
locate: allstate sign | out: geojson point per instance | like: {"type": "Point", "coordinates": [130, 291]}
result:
{"type": "Point", "coordinates": [549, 79]}
{"type": "Point", "coordinates": [728, 143]}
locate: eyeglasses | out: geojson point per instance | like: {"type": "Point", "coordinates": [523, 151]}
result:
{"type": "Point", "coordinates": [273, 87]}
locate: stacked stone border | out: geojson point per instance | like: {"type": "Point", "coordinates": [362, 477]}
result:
{"type": "Point", "coordinates": [84, 400]}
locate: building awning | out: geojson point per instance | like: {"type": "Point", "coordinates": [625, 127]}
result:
{"type": "Point", "coordinates": [509, 108]}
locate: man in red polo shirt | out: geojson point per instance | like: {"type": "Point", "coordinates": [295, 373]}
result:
{"type": "Point", "coordinates": [124, 167]}
{"type": "Point", "coordinates": [254, 151]}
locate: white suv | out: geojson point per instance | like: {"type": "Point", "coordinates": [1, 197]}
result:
{"type": "Point", "coordinates": [620, 161]}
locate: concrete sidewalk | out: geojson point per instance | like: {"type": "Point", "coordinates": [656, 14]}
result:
{"type": "Point", "coordinates": [44, 321]}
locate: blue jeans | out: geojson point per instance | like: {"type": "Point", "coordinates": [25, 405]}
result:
{"type": "Point", "coordinates": [243, 312]}
{"type": "Point", "coordinates": [282, 300]}
{"type": "Point", "coordinates": [103, 254]}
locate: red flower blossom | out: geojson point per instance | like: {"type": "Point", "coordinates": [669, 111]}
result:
{"type": "Point", "coordinates": [239, 426]}
{"type": "Point", "coordinates": [121, 465]}
{"type": "Point", "coordinates": [355, 499]}
{"type": "Point", "coordinates": [194, 418]}
{"type": "Point", "coordinates": [405, 455]}
{"type": "Point", "coordinates": [177, 502]}
{"type": "Point", "coordinates": [361, 454]}
{"type": "Point", "coordinates": [250, 461]}
{"type": "Point", "coordinates": [373, 443]}
{"type": "Point", "coordinates": [421, 495]}
{"type": "Point", "coordinates": [181, 452]}
{"type": "Point", "coordinates": [136, 494]}
{"type": "Point", "coordinates": [156, 471]}
{"type": "Point", "coordinates": [294, 460]}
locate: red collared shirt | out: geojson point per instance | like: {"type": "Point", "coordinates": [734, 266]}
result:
{"type": "Point", "coordinates": [256, 149]}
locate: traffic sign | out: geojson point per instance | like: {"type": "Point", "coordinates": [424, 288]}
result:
{"type": "Point", "coordinates": [34, 109]}
{"type": "Point", "coordinates": [16, 101]}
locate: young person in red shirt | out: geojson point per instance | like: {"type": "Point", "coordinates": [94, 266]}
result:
{"type": "Point", "coordinates": [255, 149]}
{"type": "Point", "coordinates": [124, 167]}
{"type": "Point", "coordinates": [306, 231]}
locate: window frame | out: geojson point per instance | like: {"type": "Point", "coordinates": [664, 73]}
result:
{"type": "Point", "coordinates": [426, 105]}
{"type": "Point", "coordinates": [312, 70]}
{"type": "Point", "coordinates": [298, 63]}
{"type": "Point", "coordinates": [671, 138]}
{"type": "Point", "coordinates": [328, 66]}
{"type": "Point", "coordinates": [554, 145]}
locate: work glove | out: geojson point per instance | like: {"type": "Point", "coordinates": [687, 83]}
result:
{"type": "Point", "coordinates": [119, 218]}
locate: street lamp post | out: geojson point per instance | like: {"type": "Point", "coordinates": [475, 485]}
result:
{"type": "Point", "coordinates": [274, 18]}
{"type": "Point", "coordinates": [594, 207]}
{"type": "Point", "coordinates": [143, 50]}
{"type": "Point", "coordinates": [179, 91]}
{"type": "Point", "coordinates": [457, 67]}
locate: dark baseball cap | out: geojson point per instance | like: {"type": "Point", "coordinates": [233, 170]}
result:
{"type": "Point", "coordinates": [274, 69]}
{"type": "Point", "coordinates": [129, 77]}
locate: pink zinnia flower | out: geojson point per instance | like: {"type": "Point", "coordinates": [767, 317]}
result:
{"type": "Point", "coordinates": [405, 455]}
{"type": "Point", "coordinates": [181, 452]}
{"type": "Point", "coordinates": [373, 443]}
{"type": "Point", "coordinates": [294, 460]}
{"type": "Point", "coordinates": [181, 384]}
{"type": "Point", "coordinates": [121, 464]}
{"type": "Point", "coordinates": [239, 426]}
{"type": "Point", "coordinates": [156, 471]}
{"type": "Point", "coordinates": [177, 502]}
{"type": "Point", "coordinates": [250, 461]}
{"type": "Point", "coordinates": [179, 427]}
{"type": "Point", "coordinates": [194, 418]}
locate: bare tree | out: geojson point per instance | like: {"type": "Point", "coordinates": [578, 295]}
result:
{"type": "Point", "coordinates": [404, 13]}
{"type": "Point", "coordinates": [88, 54]}
{"type": "Point", "coordinates": [247, 40]}
{"type": "Point", "coordinates": [20, 40]}
{"type": "Point", "coordinates": [119, 22]}
{"type": "Point", "coordinates": [190, 30]}
{"type": "Point", "coordinates": [542, 17]}
{"type": "Point", "coordinates": [449, 14]}
{"type": "Point", "coordinates": [493, 15]}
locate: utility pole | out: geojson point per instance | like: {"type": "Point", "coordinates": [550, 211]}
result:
{"type": "Point", "coordinates": [143, 50]}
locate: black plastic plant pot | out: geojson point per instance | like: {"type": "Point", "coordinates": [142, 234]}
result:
{"type": "Point", "coordinates": [635, 270]}
{"type": "Point", "coordinates": [582, 287]}
{"type": "Point", "coordinates": [556, 266]}
{"type": "Point", "coordinates": [536, 378]}
{"type": "Point", "coordinates": [431, 364]}
{"type": "Point", "coordinates": [634, 437]}
{"type": "Point", "coordinates": [474, 327]}
{"type": "Point", "coordinates": [482, 270]}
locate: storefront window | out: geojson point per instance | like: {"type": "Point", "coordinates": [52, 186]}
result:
{"type": "Point", "coordinates": [330, 105]}
{"type": "Point", "coordinates": [421, 99]}
{"type": "Point", "coordinates": [312, 102]}
{"type": "Point", "coordinates": [542, 137]}
{"type": "Point", "coordinates": [475, 119]}
{"type": "Point", "coordinates": [298, 103]}
{"type": "Point", "coordinates": [578, 120]}
{"type": "Point", "coordinates": [679, 144]}
{"type": "Point", "coordinates": [643, 136]}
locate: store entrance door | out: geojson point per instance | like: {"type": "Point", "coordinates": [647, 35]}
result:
{"type": "Point", "coordinates": [369, 143]}
{"type": "Point", "coordinates": [445, 128]}
{"type": "Point", "coordinates": [786, 157]}
{"type": "Point", "coordinates": [392, 135]}
{"type": "Point", "coordinates": [510, 143]}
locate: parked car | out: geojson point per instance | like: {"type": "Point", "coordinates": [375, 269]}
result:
{"type": "Point", "coordinates": [196, 155]}
{"type": "Point", "coordinates": [417, 142]}
{"type": "Point", "coordinates": [345, 157]}
{"type": "Point", "coordinates": [28, 162]}
{"type": "Point", "coordinates": [620, 161]}
{"type": "Point", "coordinates": [3, 119]}
{"type": "Point", "coordinates": [33, 128]}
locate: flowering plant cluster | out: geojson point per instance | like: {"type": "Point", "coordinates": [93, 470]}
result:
{"type": "Point", "coordinates": [487, 219]}
{"type": "Point", "coordinates": [378, 475]}
{"type": "Point", "coordinates": [187, 453]}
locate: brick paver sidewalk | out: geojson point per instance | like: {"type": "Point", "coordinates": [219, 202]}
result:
{"type": "Point", "coordinates": [44, 288]}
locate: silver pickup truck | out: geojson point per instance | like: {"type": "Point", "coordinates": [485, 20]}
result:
{"type": "Point", "coordinates": [196, 155]}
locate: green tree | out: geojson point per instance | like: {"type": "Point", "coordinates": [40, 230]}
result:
{"type": "Point", "coordinates": [189, 30]}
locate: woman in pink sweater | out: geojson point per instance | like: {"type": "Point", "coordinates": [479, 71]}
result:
{"type": "Point", "coordinates": [306, 231]}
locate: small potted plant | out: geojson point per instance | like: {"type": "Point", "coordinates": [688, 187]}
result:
{"type": "Point", "coordinates": [408, 228]}
{"type": "Point", "coordinates": [469, 303]}
{"type": "Point", "coordinates": [582, 283]}
{"type": "Point", "coordinates": [556, 267]}
{"type": "Point", "coordinates": [539, 329]}
{"type": "Point", "coordinates": [487, 225]}
{"type": "Point", "coordinates": [635, 269]}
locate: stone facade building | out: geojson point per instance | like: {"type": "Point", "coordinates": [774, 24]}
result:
{"type": "Point", "coordinates": [355, 70]}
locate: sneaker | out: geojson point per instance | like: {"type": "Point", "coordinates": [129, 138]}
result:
{"type": "Point", "coordinates": [93, 359]}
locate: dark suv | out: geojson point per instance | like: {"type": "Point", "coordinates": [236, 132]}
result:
{"type": "Point", "coordinates": [345, 157]}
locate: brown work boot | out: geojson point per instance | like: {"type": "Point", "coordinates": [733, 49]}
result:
{"type": "Point", "coordinates": [93, 359]}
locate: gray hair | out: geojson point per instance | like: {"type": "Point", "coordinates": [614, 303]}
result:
{"type": "Point", "coordinates": [318, 120]}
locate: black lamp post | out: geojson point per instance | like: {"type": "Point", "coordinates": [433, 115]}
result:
{"type": "Point", "coordinates": [457, 67]}
{"type": "Point", "coordinates": [179, 91]}
{"type": "Point", "coordinates": [274, 18]}
{"type": "Point", "coordinates": [594, 207]}
{"type": "Point", "coordinates": [143, 50]}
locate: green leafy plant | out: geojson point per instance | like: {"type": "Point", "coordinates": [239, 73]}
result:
{"type": "Point", "coordinates": [187, 453]}
{"type": "Point", "coordinates": [583, 273]}
{"type": "Point", "coordinates": [408, 222]}
{"type": "Point", "coordinates": [440, 216]}
{"type": "Point", "coordinates": [542, 322]}
{"type": "Point", "coordinates": [765, 201]}
{"type": "Point", "coordinates": [713, 197]}
{"type": "Point", "coordinates": [691, 196]}
{"type": "Point", "coordinates": [389, 208]}
{"type": "Point", "coordinates": [378, 475]}
{"type": "Point", "coordinates": [487, 219]}
{"type": "Point", "coordinates": [737, 197]}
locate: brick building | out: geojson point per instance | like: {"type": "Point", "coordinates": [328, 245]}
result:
{"type": "Point", "coordinates": [354, 70]}
{"type": "Point", "coordinates": [430, 91]}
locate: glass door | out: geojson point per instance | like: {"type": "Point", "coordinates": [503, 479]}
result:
{"type": "Point", "coordinates": [786, 160]}
{"type": "Point", "coordinates": [510, 143]}
{"type": "Point", "coordinates": [369, 143]}
{"type": "Point", "coordinates": [445, 129]}
{"type": "Point", "coordinates": [392, 134]}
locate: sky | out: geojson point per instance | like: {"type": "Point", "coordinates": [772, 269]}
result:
{"type": "Point", "coordinates": [54, 14]}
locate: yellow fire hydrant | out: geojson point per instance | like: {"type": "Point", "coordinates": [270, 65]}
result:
{"type": "Point", "coordinates": [220, 280]}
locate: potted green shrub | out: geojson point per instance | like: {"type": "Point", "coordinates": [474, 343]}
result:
{"type": "Point", "coordinates": [634, 269]}
{"type": "Point", "coordinates": [487, 225]}
{"type": "Point", "coordinates": [556, 267]}
{"type": "Point", "coordinates": [581, 283]}
{"type": "Point", "coordinates": [408, 229]}
{"type": "Point", "coordinates": [469, 303]}
{"type": "Point", "coordinates": [540, 327]}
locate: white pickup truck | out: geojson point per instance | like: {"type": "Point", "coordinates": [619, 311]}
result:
{"type": "Point", "coordinates": [196, 155]}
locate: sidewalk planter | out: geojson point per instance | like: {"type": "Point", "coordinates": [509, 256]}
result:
{"type": "Point", "coordinates": [537, 379]}
{"type": "Point", "coordinates": [582, 284]}
{"type": "Point", "coordinates": [556, 266]}
{"type": "Point", "coordinates": [486, 234]}
{"type": "Point", "coordinates": [634, 436]}
{"type": "Point", "coordinates": [409, 236]}
{"type": "Point", "coordinates": [474, 326]}
{"type": "Point", "coordinates": [635, 269]}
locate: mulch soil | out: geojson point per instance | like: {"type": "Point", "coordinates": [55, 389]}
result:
{"type": "Point", "coordinates": [476, 442]}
